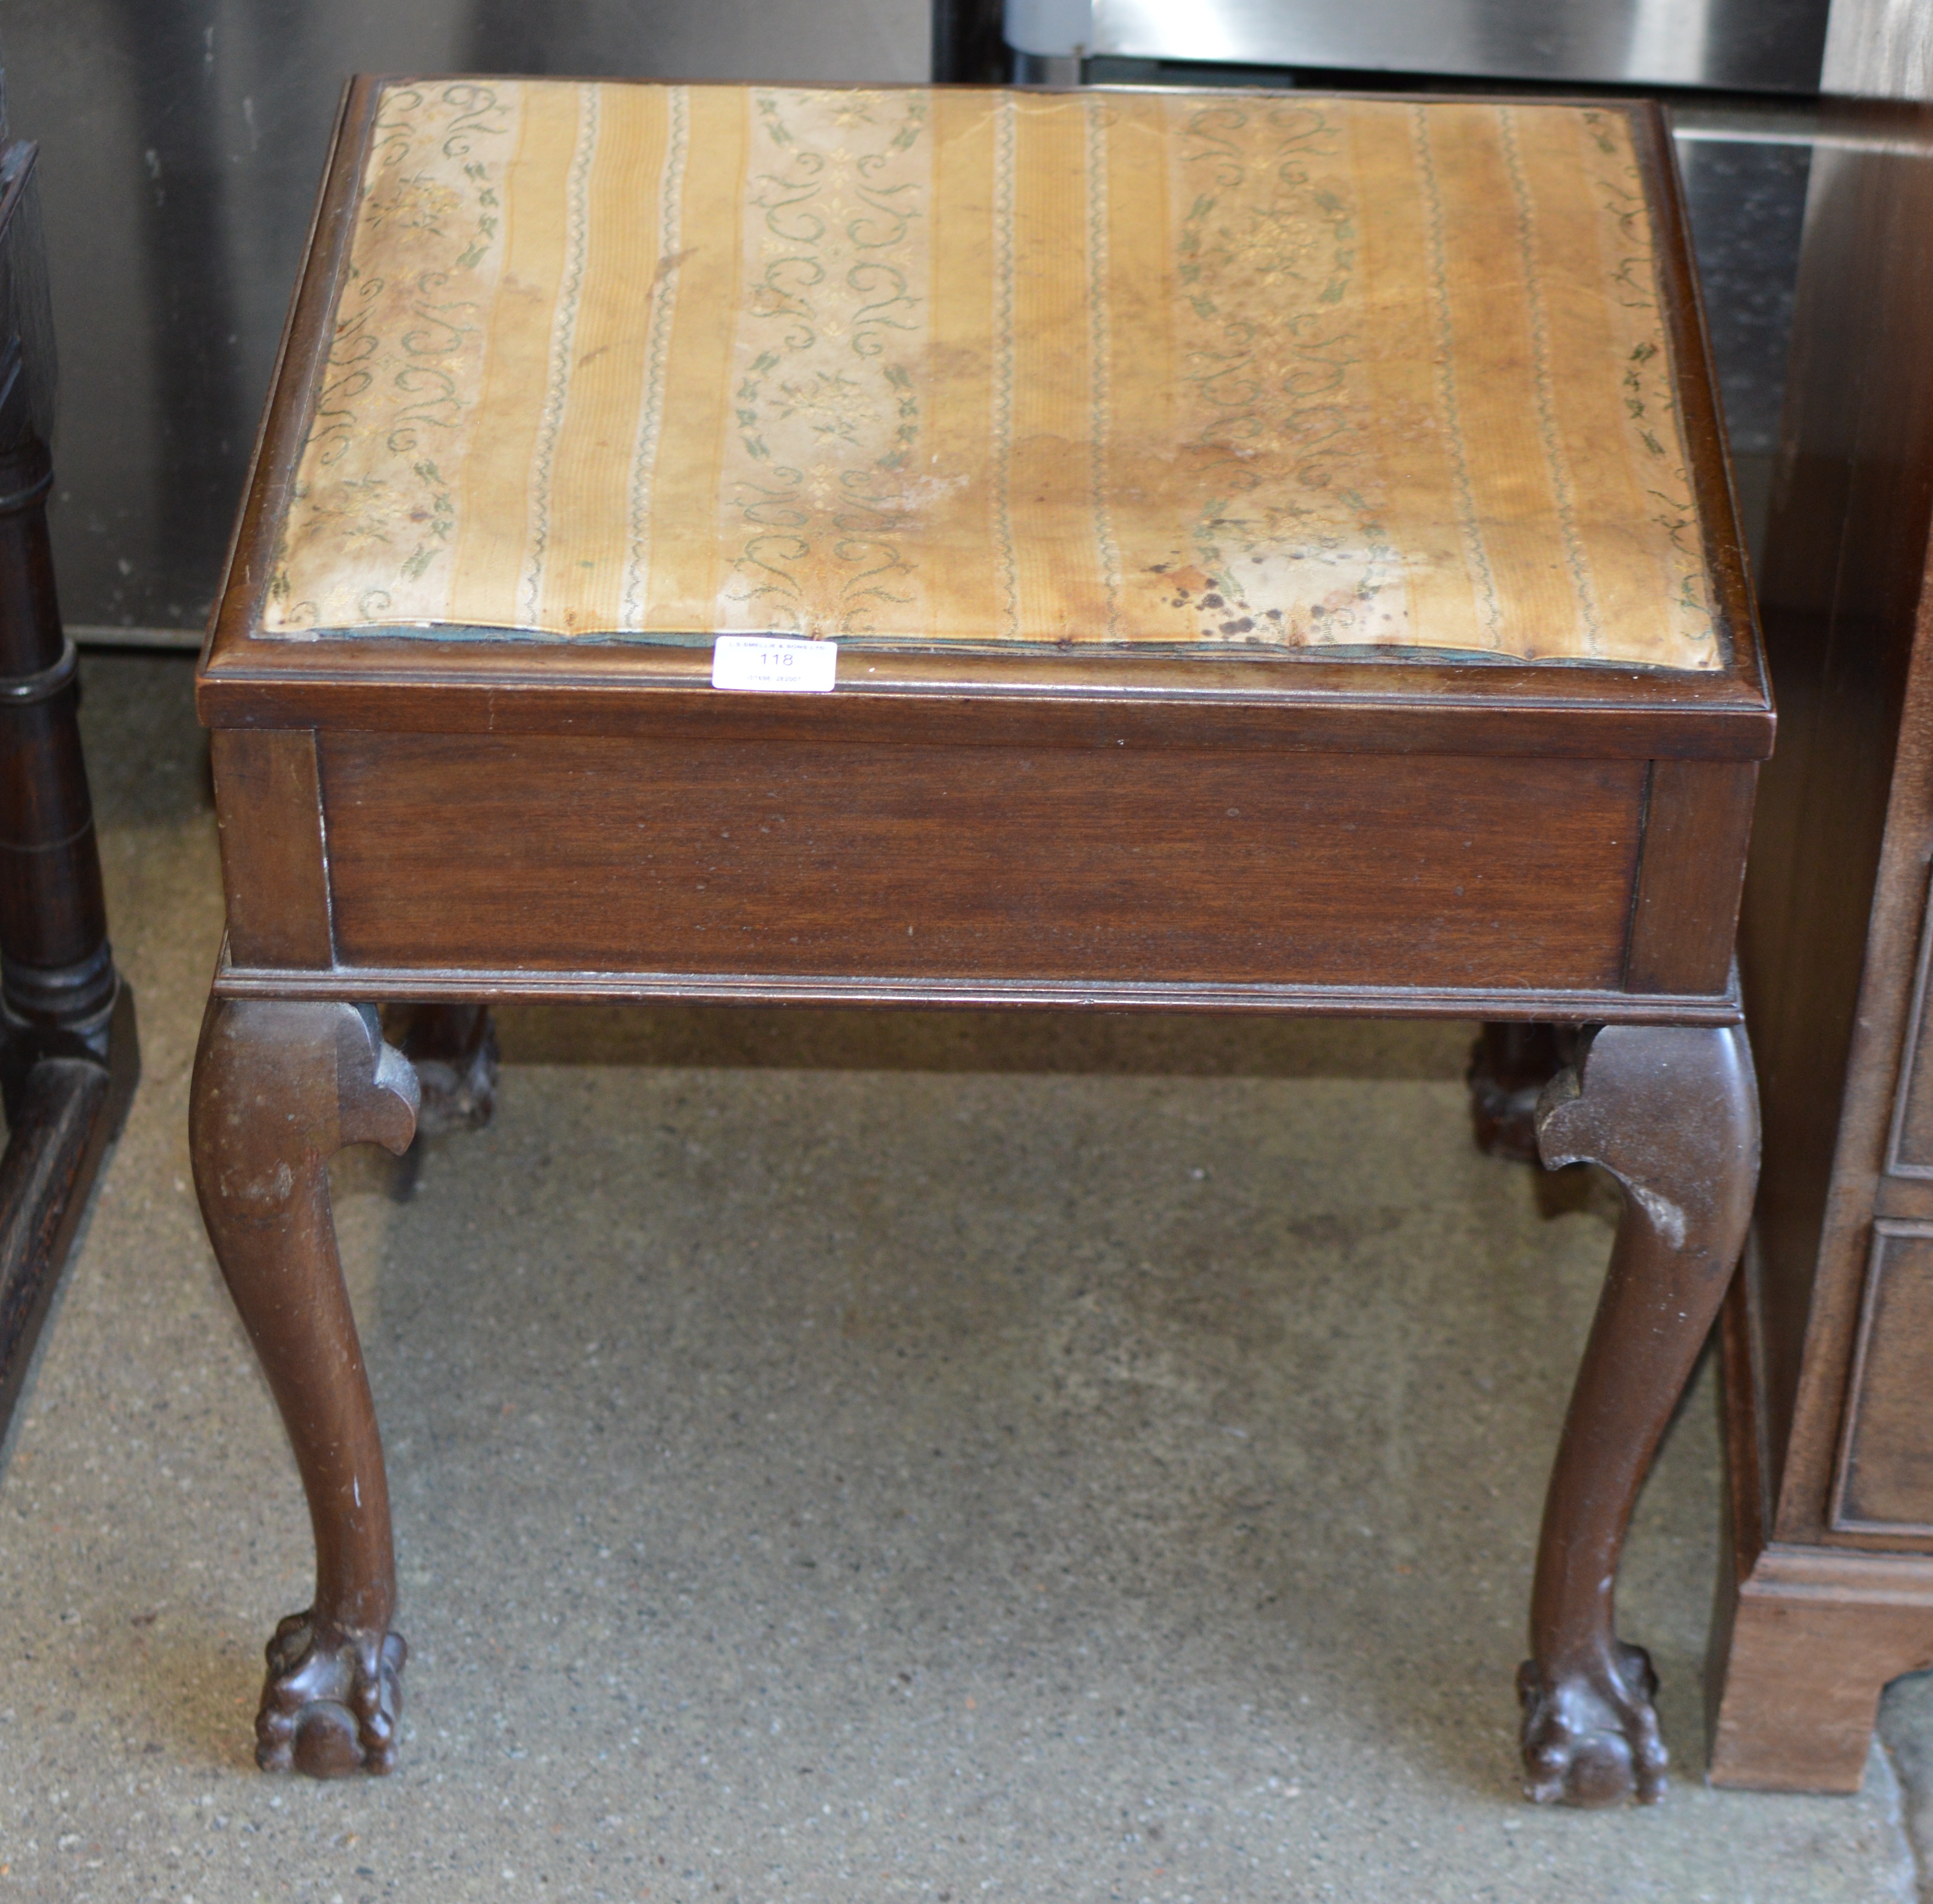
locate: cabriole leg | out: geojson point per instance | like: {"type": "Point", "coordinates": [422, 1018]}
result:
{"type": "Point", "coordinates": [453, 1050]}
{"type": "Point", "coordinates": [1509, 1065]}
{"type": "Point", "coordinates": [279, 1086]}
{"type": "Point", "coordinates": [1672, 1113]}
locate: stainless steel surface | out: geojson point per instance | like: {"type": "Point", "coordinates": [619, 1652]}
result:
{"type": "Point", "coordinates": [1046, 69]}
{"type": "Point", "coordinates": [1880, 50]}
{"type": "Point", "coordinates": [181, 144]}
{"type": "Point", "coordinates": [1747, 203]}
{"type": "Point", "coordinates": [1743, 45]}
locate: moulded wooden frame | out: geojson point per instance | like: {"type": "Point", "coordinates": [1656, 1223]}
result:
{"type": "Point", "coordinates": [1029, 697]}
{"type": "Point", "coordinates": [1692, 741]}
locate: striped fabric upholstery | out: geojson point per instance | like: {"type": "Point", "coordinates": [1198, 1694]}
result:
{"type": "Point", "coordinates": [1162, 370]}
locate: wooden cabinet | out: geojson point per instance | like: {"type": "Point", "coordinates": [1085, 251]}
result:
{"type": "Point", "coordinates": [1829, 1336]}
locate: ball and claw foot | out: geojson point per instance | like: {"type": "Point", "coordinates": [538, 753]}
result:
{"type": "Point", "coordinates": [330, 1703]}
{"type": "Point", "coordinates": [1592, 1739]}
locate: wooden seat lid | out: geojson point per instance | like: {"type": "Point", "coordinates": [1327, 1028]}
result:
{"type": "Point", "coordinates": [1160, 371]}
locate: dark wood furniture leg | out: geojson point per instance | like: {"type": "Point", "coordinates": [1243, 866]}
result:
{"type": "Point", "coordinates": [279, 1086]}
{"type": "Point", "coordinates": [69, 1059]}
{"type": "Point", "coordinates": [452, 1049]}
{"type": "Point", "coordinates": [1672, 1113]}
{"type": "Point", "coordinates": [1509, 1065]}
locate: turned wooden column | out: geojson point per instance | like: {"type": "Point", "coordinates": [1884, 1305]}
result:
{"type": "Point", "coordinates": [55, 966]}
{"type": "Point", "coordinates": [68, 1060]}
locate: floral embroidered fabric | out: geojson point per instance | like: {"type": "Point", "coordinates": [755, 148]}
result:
{"type": "Point", "coordinates": [1160, 371]}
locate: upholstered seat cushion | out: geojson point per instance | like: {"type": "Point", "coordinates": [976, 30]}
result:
{"type": "Point", "coordinates": [1160, 370]}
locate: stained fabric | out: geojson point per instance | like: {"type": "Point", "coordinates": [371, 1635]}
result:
{"type": "Point", "coordinates": [1158, 370]}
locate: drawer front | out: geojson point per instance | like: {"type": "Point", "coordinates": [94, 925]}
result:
{"type": "Point", "coordinates": [585, 854]}
{"type": "Point", "coordinates": [1910, 1144]}
{"type": "Point", "coordinates": [1884, 1484]}
{"type": "Point", "coordinates": [1885, 1480]}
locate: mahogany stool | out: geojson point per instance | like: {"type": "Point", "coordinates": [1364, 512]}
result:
{"type": "Point", "coordinates": [1253, 553]}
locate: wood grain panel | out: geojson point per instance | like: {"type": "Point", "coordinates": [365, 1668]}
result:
{"type": "Point", "coordinates": [377, 984]}
{"type": "Point", "coordinates": [1909, 1198]}
{"type": "Point", "coordinates": [1330, 707]}
{"type": "Point", "coordinates": [1697, 821]}
{"type": "Point", "coordinates": [1910, 1147]}
{"type": "Point", "coordinates": [1812, 1640]}
{"type": "Point", "coordinates": [561, 855]}
{"type": "Point", "coordinates": [1804, 1639]}
{"type": "Point", "coordinates": [1885, 1479]}
{"type": "Point", "coordinates": [268, 804]}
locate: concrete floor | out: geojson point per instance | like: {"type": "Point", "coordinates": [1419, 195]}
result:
{"type": "Point", "coordinates": [859, 1459]}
